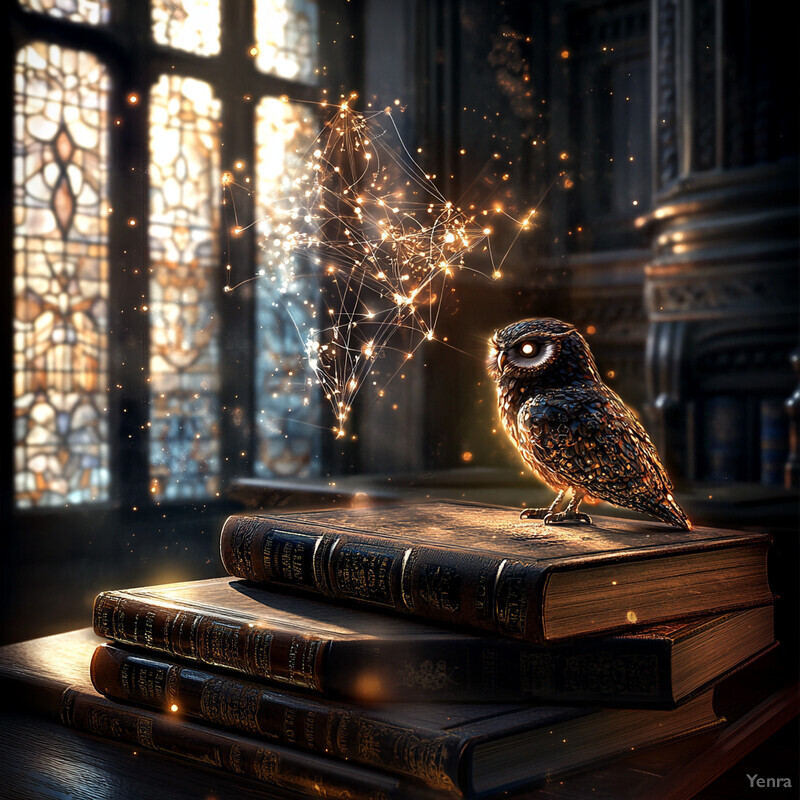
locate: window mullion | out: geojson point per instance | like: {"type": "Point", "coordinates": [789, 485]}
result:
{"type": "Point", "coordinates": [128, 367]}
{"type": "Point", "coordinates": [238, 252]}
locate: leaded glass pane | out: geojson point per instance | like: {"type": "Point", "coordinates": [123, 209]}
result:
{"type": "Point", "coordinates": [191, 25]}
{"type": "Point", "coordinates": [286, 396]}
{"type": "Point", "coordinates": [60, 277]}
{"type": "Point", "coordinates": [91, 12]}
{"type": "Point", "coordinates": [286, 35]}
{"type": "Point", "coordinates": [184, 252]}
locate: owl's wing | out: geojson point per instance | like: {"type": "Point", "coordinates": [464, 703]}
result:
{"type": "Point", "coordinates": [593, 441]}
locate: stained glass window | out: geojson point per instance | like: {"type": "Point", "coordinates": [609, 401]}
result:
{"type": "Point", "coordinates": [74, 363]}
{"type": "Point", "coordinates": [184, 255]}
{"type": "Point", "coordinates": [92, 12]}
{"type": "Point", "coordinates": [60, 276]}
{"type": "Point", "coordinates": [191, 25]}
{"type": "Point", "coordinates": [286, 36]}
{"type": "Point", "coordinates": [287, 412]}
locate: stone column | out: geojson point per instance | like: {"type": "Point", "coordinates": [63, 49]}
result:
{"type": "Point", "coordinates": [721, 287]}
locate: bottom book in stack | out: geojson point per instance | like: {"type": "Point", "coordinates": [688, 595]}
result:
{"type": "Point", "coordinates": [174, 681]}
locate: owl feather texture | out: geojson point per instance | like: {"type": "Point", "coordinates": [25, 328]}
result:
{"type": "Point", "coordinates": [572, 430]}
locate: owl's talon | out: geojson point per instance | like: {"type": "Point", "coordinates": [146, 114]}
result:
{"type": "Point", "coordinates": [533, 513]}
{"type": "Point", "coordinates": [567, 516]}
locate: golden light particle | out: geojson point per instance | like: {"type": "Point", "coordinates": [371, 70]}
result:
{"type": "Point", "coordinates": [632, 617]}
{"type": "Point", "coordinates": [173, 707]}
{"type": "Point", "coordinates": [133, 98]}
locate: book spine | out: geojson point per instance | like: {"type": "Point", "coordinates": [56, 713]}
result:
{"type": "Point", "coordinates": [287, 657]}
{"type": "Point", "coordinates": [435, 583]}
{"type": "Point", "coordinates": [774, 425]}
{"type": "Point", "coordinates": [274, 766]}
{"type": "Point", "coordinates": [618, 672]}
{"type": "Point", "coordinates": [334, 729]}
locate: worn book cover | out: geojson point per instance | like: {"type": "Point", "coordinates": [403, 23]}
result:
{"type": "Point", "coordinates": [51, 676]}
{"type": "Point", "coordinates": [482, 567]}
{"type": "Point", "coordinates": [475, 749]}
{"type": "Point", "coordinates": [359, 654]}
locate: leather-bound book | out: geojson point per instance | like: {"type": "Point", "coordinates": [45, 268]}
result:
{"type": "Point", "coordinates": [50, 676]}
{"type": "Point", "coordinates": [475, 750]}
{"type": "Point", "coordinates": [482, 567]}
{"type": "Point", "coordinates": [367, 655]}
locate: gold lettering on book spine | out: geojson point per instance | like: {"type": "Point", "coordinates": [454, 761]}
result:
{"type": "Point", "coordinates": [310, 729]}
{"type": "Point", "coordinates": [288, 558]}
{"type": "Point", "coordinates": [258, 652]}
{"type": "Point", "coordinates": [218, 644]}
{"type": "Point", "coordinates": [410, 753]}
{"type": "Point", "coordinates": [302, 662]}
{"type": "Point", "coordinates": [144, 681]}
{"type": "Point", "coordinates": [144, 732]}
{"type": "Point", "coordinates": [338, 733]}
{"type": "Point", "coordinates": [194, 633]}
{"type": "Point", "coordinates": [292, 561]}
{"type": "Point", "coordinates": [365, 571]}
{"type": "Point", "coordinates": [511, 598]}
{"type": "Point", "coordinates": [235, 759]}
{"type": "Point", "coordinates": [104, 724]}
{"type": "Point", "coordinates": [484, 609]}
{"type": "Point", "coordinates": [241, 542]}
{"type": "Point", "coordinates": [266, 765]}
{"type": "Point", "coordinates": [109, 618]}
{"type": "Point", "coordinates": [440, 587]}
{"type": "Point", "coordinates": [225, 703]}
{"type": "Point", "coordinates": [149, 622]}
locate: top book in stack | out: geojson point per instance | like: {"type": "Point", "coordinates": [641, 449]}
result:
{"type": "Point", "coordinates": [481, 567]}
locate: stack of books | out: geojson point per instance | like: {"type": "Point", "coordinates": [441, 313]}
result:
{"type": "Point", "coordinates": [417, 650]}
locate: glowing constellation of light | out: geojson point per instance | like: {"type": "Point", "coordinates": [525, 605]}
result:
{"type": "Point", "coordinates": [365, 218]}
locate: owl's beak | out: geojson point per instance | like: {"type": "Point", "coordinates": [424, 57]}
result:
{"type": "Point", "coordinates": [502, 360]}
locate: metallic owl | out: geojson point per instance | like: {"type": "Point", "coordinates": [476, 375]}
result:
{"type": "Point", "coordinates": [571, 429]}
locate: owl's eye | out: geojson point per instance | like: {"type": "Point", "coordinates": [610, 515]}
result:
{"type": "Point", "coordinates": [528, 349]}
{"type": "Point", "coordinates": [530, 354]}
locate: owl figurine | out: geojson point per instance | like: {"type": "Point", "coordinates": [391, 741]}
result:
{"type": "Point", "coordinates": [574, 432]}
